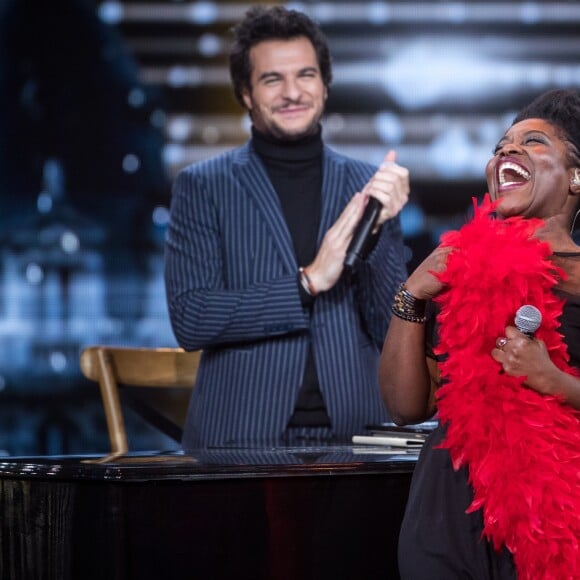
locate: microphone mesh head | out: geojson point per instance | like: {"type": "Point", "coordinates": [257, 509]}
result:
{"type": "Point", "coordinates": [528, 319]}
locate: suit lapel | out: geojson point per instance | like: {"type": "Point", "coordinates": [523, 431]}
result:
{"type": "Point", "coordinates": [254, 179]}
{"type": "Point", "coordinates": [334, 194]}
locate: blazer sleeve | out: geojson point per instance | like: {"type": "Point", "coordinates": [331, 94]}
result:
{"type": "Point", "coordinates": [378, 278]}
{"type": "Point", "coordinates": [204, 309]}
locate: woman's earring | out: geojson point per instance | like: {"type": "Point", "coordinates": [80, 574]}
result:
{"type": "Point", "coordinates": [576, 178]}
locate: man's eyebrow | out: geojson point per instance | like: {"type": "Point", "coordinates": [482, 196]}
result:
{"type": "Point", "coordinates": [269, 74]}
{"type": "Point", "coordinates": [275, 74]}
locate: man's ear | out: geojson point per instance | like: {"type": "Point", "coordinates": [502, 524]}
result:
{"type": "Point", "coordinates": [247, 99]}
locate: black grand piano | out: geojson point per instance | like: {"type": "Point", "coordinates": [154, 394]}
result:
{"type": "Point", "coordinates": [270, 513]}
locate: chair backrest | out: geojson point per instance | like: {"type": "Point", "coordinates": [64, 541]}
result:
{"type": "Point", "coordinates": [114, 367]}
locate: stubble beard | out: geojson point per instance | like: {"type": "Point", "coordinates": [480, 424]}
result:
{"type": "Point", "coordinates": [284, 134]}
{"type": "Point", "coordinates": [277, 131]}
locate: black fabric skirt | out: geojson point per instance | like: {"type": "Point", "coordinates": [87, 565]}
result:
{"type": "Point", "coordinates": [438, 540]}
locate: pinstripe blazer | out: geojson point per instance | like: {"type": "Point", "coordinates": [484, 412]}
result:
{"type": "Point", "coordinates": [231, 282]}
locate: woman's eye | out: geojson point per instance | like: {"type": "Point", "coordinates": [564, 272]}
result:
{"type": "Point", "coordinates": [535, 140]}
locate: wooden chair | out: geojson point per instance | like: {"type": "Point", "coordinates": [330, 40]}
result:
{"type": "Point", "coordinates": [142, 370]}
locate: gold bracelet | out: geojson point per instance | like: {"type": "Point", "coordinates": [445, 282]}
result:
{"type": "Point", "coordinates": [409, 308]}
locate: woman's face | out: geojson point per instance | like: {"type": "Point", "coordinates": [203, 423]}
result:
{"type": "Point", "coordinates": [530, 171]}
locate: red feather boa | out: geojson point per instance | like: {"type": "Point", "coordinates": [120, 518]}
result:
{"type": "Point", "coordinates": [522, 449]}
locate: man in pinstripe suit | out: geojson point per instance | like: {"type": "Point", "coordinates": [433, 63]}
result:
{"type": "Point", "coordinates": [255, 252]}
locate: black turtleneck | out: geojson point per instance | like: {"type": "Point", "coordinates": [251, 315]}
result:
{"type": "Point", "coordinates": [295, 170]}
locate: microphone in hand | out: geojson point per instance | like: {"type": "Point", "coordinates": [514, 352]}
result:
{"type": "Point", "coordinates": [362, 234]}
{"type": "Point", "coordinates": [528, 319]}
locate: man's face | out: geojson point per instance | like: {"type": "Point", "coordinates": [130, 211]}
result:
{"type": "Point", "coordinates": [286, 95]}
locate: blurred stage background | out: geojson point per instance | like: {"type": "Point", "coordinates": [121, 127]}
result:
{"type": "Point", "coordinates": [102, 102]}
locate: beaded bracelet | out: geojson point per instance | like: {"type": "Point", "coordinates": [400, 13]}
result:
{"type": "Point", "coordinates": [409, 308]}
{"type": "Point", "coordinates": [306, 282]}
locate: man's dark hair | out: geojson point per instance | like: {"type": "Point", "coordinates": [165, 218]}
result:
{"type": "Point", "coordinates": [277, 23]}
{"type": "Point", "coordinates": [561, 108]}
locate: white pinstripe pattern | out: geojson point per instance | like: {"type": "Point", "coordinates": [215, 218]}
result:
{"type": "Point", "coordinates": [231, 290]}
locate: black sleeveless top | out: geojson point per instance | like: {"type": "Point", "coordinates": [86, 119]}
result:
{"type": "Point", "coordinates": [570, 320]}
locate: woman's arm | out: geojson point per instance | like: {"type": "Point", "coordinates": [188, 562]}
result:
{"type": "Point", "coordinates": [407, 377]}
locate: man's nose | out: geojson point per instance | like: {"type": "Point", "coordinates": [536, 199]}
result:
{"type": "Point", "coordinates": [292, 90]}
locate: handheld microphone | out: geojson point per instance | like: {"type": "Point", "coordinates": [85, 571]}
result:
{"type": "Point", "coordinates": [528, 319]}
{"type": "Point", "coordinates": [362, 234]}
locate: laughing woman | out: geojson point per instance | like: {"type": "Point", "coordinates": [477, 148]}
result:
{"type": "Point", "coordinates": [496, 491]}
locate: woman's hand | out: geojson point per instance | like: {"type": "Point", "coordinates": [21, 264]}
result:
{"type": "Point", "coordinates": [520, 356]}
{"type": "Point", "coordinates": [422, 283]}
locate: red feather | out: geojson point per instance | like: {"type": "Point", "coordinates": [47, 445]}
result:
{"type": "Point", "coordinates": [522, 449]}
